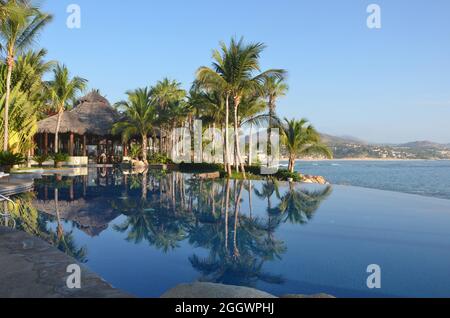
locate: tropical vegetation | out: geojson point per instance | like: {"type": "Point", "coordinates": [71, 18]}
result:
{"type": "Point", "coordinates": [301, 139]}
{"type": "Point", "coordinates": [233, 92]}
{"type": "Point", "coordinates": [61, 90]}
{"type": "Point", "coordinates": [18, 28]}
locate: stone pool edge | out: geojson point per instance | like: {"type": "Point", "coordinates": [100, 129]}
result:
{"type": "Point", "coordinates": [31, 268]}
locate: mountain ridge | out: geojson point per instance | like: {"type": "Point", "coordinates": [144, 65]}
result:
{"type": "Point", "coordinates": [353, 148]}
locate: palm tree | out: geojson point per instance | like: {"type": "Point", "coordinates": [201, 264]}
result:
{"type": "Point", "coordinates": [209, 107]}
{"type": "Point", "coordinates": [61, 90]}
{"type": "Point", "coordinates": [140, 117]}
{"type": "Point", "coordinates": [300, 138]}
{"type": "Point", "coordinates": [233, 73]}
{"type": "Point", "coordinates": [274, 88]}
{"type": "Point", "coordinates": [166, 94]}
{"type": "Point", "coordinates": [214, 80]}
{"type": "Point", "coordinates": [17, 32]}
{"type": "Point", "coordinates": [26, 99]}
{"type": "Point", "coordinates": [3, 11]}
{"type": "Point", "coordinates": [8, 8]}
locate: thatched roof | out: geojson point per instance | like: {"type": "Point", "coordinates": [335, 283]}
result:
{"type": "Point", "coordinates": [93, 115]}
{"type": "Point", "coordinates": [84, 213]}
{"type": "Point", "coordinates": [70, 122]}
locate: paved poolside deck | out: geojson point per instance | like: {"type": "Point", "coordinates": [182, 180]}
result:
{"type": "Point", "coordinates": [31, 268]}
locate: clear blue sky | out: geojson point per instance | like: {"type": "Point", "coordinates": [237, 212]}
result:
{"type": "Point", "coordinates": [388, 85]}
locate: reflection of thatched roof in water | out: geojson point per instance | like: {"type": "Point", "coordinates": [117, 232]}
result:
{"type": "Point", "coordinates": [92, 216]}
{"type": "Point", "coordinates": [93, 115]}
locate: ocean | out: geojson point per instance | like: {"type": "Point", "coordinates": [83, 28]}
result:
{"type": "Point", "coordinates": [421, 177]}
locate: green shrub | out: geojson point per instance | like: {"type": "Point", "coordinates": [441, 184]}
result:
{"type": "Point", "coordinates": [284, 175]}
{"type": "Point", "coordinates": [256, 170]}
{"type": "Point", "coordinates": [159, 159]}
{"type": "Point", "coordinates": [40, 159]}
{"type": "Point", "coordinates": [8, 159]}
{"type": "Point", "coordinates": [135, 151]}
{"type": "Point", "coordinates": [59, 158]}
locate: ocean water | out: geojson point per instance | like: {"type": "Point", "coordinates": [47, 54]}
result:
{"type": "Point", "coordinates": [427, 178]}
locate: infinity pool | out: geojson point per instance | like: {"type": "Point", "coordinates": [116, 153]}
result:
{"type": "Point", "coordinates": [146, 233]}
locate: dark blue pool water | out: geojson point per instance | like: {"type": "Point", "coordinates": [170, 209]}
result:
{"type": "Point", "coordinates": [280, 238]}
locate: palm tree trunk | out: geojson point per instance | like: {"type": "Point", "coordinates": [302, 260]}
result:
{"type": "Point", "coordinates": [214, 142]}
{"type": "Point", "coordinates": [58, 126]}
{"type": "Point", "coordinates": [250, 153]}
{"type": "Point", "coordinates": [236, 219]}
{"type": "Point", "coordinates": [291, 164]}
{"type": "Point", "coordinates": [236, 138]}
{"type": "Point", "coordinates": [173, 141]}
{"type": "Point", "coordinates": [144, 185]}
{"type": "Point", "coordinates": [271, 114]}
{"type": "Point", "coordinates": [10, 62]}
{"type": "Point", "coordinates": [235, 158]}
{"type": "Point", "coordinates": [227, 203]}
{"type": "Point", "coordinates": [250, 203]}
{"type": "Point", "coordinates": [144, 148]}
{"type": "Point", "coordinates": [227, 146]}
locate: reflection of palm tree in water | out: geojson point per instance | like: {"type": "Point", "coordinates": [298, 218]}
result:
{"type": "Point", "coordinates": [65, 242]}
{"type": "Point", "coordinates": [299, 206]}
{"type": "Point", "coordinates": [237, 207]}
{"type": "Point", "coordinates": [5, 217]}
{"type": "Point", "coordinates": [60, 229]}
{"type": "Point", "coordinates": [242, 262]}
{"type": "Point", "coordinates": [148, 222]}
{"type": "Point", "coordinates": [150, 219]}
{"type": "Point", "coordinates": [29, 220]}
{"type": "Point", "coordinates": [269, 188]}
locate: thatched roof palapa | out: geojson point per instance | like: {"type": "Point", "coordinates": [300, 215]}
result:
{"type": "Point", "coordinates": [93, 115]}
{"type": "Point", "coordinates": [84, 213]}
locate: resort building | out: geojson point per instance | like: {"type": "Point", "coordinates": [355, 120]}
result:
{"type": "Point", "coordinates": [85, 133]}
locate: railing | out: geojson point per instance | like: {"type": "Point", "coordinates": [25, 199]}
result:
{"type": "Point", "coordinates": [7, 216]}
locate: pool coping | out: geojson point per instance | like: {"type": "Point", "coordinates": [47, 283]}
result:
{"type": "Point", "coordinates": [32, 268]}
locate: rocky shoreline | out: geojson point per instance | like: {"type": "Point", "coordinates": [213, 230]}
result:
{"type": "Point", "coordinates": [314, 180]}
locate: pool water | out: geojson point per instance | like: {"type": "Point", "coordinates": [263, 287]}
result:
{"type": "Point", "coordinates": [146, 233]}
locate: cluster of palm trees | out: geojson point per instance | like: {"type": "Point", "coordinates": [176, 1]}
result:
{"type": "Point", "coordinates": [233, 92]}
{"type": "Point", "coordinates": [25, 97]}
{"type": "Point", "coordinates": [150, 111]}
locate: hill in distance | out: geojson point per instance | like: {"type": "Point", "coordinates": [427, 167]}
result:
{"type": "Point", "coordinates": [354, 148]}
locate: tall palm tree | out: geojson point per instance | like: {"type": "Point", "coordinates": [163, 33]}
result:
{"type": "Point", "coordinates": [140, 117]}
{"type": "Point", "coordinates": [236, 72]}
{"type": "Point", "coordinates": [209, 107]}
{"type": "Point", "coordinates": [215, 80]}
{"type": "Point", "coordinates": [274, 88]}
{"type": "Point", "coordinates": [165, 94]}
{"type": "Point", "coordinates": [61, 90]}
{"type": "Point", "coordinates": [301, 139]}
{"type": "Point", "coordinates": [26, 99]}
{"type": "Point", "coordinates": [17, 32]}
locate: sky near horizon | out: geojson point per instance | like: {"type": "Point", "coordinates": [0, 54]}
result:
{"type": "Point", "coordinates": [381, 85]}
